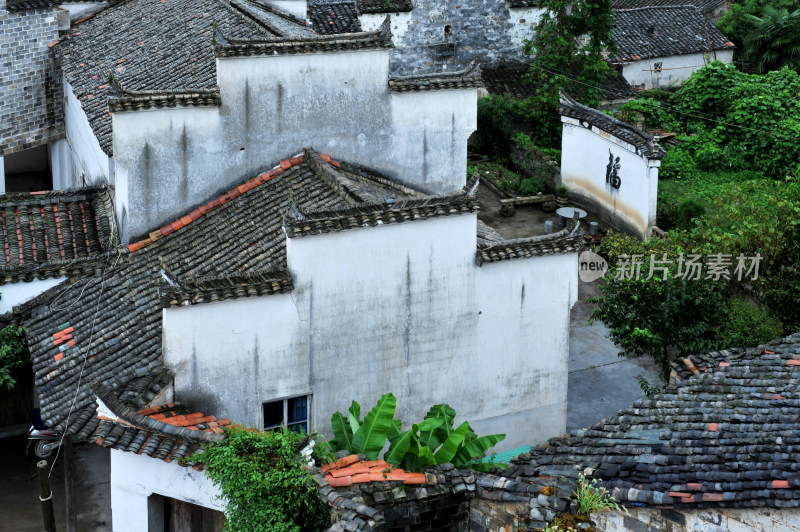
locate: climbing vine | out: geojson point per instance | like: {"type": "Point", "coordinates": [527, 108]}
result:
{"type": "Point", "coordinates": [13, 355]}
{"type": "Point", "coordinates": [263, 478]}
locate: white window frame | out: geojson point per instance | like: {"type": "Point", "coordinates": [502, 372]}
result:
{"type": "Point", "coordinates": [285, 423]}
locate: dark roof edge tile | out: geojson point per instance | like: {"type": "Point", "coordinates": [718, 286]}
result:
{"type": "Point", "coordinates": [567, 240]}
{"type": "Point", "coordinates": [127, 413]}
{"type": "Point", "coordinates": [645, 143]}
{"type": "Point", "coordinates": [376, 7]}
{"type": "Point", "coordinates": [372, 40]}
{"type": "Point", "coordinates": [136, 100]}
{"type": "Point", "coordinates": [469, 77]}
{"type": "Point", "coordinates": [213, 288]}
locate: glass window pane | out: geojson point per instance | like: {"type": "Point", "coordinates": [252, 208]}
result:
{"type": "Point", "coordinates": [298, 409]}
{"type": "Point", "coordinates": [273, 414]}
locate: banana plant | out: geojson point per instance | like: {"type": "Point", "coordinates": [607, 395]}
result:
{"type": "Point", "coordinates": [367, 436]}
{"type": "Point", "coordinates": [433, 441]}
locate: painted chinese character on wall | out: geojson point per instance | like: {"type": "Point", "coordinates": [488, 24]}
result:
{"type": "Point", "coordinates": [612, 169]}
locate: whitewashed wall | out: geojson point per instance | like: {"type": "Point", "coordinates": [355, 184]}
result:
{"type": "Point", "coordinates": [272, 106]}
{"type": "Point", "coordinates": [524, 21]}
{"type": "Point", "coordinates": [584, 156]}
{"type": "Point", "coordinates": [298, 8]}
{"type": "Point", "coordinates": [90, 165]}
{"type": "Point", "coordinates": [15, 294]}
{"type": "Point", "coordinates": [135, 477]}
{"type": "Point", "coordinates": [2, 176]}
{"type": "Point", "coordinates": [675, 69]}
{"type": "Point", "coordinates": [401, 308]}
{"type": "Point", "coordinates": [706, 520]}
{"type": "Point", "coordinates": [400, 23]}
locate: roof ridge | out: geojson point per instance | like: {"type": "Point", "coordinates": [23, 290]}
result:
{"type": "Point", "coordinates": [128, 414]}
{"type": "Point", "coordinates": [246, 16]}
{"type": "Point", "coordinates": [365, 40]}
{"type": "Point", "coordinates": [202, 210]}
{"type": "Point", "coordinates": [322, 169]}
{"type": "Point", "coordinates": [468, 77]}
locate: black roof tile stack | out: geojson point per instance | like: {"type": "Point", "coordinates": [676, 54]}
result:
{"type": "Point", "coordinates": [726, 437]}
{"type": "Point", "coordinates": [664, 31]}
{"type": "Point", "coordinates": [384, 6]}
{"type": "Point", "coordinates": [334, 17]}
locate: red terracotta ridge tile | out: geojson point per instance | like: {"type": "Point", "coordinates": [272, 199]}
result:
{"type": "Point", "coordinates": [195, 415]}
{"type": "Point", "coordinates": [378, 477]}
{"type": "Point", "coordinates": [325, 157]}
{"type": "Point", "coordinates": [339, 482]}
{"type": "Point", "coordinates": [680, 494]}
{"type": "Point", "coordinates": [152, 410]}
{"type": "Point", "coordinates": [337, 164]}
{"type": "Point", "coordinates": [414, 478]}
{"type": "Point", "coordinates": [167, 229]}
{"type": "Point", "coordinates": [780, 484]}
{"type": "Point", "coordinates": [286, 164]}
{"type": "Point", "coordinates": [58, 357]}
{"type": "Point", "coordinates": [768, 352]}
{"type": "Point", "coordinates": [694, 486]}
{"type": "Point", "coordinates": [136, 246]}
{"type": "Point", "coordinates": [343, 472]}
{"type": "Point", "coordinates": [396, 475]}
{"type": "Point", "coordinates": [243, 188]}
{"type": "Point", "coordinates": [793, 362]}
{"type": "Point", "coordinates": [59, 341]}
{"type": "Point", "coordinates": [53, 44]}
{"type": "Point", "coordinates": [712, 497]}
{"type": "Point", "coordinates": [773, 396]}
{"type": "Point", "coordinates": [712, 427]}
{"type": "Point", "coordinates": [185, 220]}
{"type": "Point", "coordinates": [724, 364]}
{"type": "Point", "coordinates": [363, 477]}
{"type": "Point", "coordinates": [296, 160]}
{"type": "Point", "coordinates": [156, 235]}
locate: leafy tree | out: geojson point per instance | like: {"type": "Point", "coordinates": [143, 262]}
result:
{"type": "Point", "coordinates": [14, 355]}
{"type": "Point", "coordinates": [736, 22]}
{"type": "Point", "coordinates": [264, 480]}
{"type": "Point", "coordinates": [773, 42]}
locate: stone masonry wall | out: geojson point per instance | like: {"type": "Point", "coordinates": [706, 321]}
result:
{"type": "Point", "coordinates": [30, 89]}
{"type": "Point", "coordinates": [464, 28]}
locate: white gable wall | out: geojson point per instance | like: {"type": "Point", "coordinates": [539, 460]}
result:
{"type": "Point", "coordinates": [272, 106]}
{"type": "Point", "coordinates": [706, 520]}
{"type": "Point", "coordinates": [90, 165]}
{"type": "Point", "coordinates": [674, 69]}
{"type": "Point", "coordinates": [398, 308]}
{"type": "Point", "coordinates": [584, 156]}
{"type": "Point", "coordinates": [135, 477]}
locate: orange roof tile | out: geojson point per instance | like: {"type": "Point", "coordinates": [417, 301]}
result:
{"type": "Point", "coordinates": [350, 470]}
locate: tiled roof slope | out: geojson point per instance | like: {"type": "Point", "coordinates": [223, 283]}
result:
{"type": "Point", "coordinates": [23, 5]}
{"type": "Point", "coordinates": [50, 234]}
{"type": "Point", "coordinates": [155, 45]}
{"type": "Point", "coordinates": [644, 143]}
{"type": "Point", "coordinates": [469, 77]}
{"type": "Point", "coordinates": [384, 6]}
{"type": "Point", "coordinates": [703, 5]}
{"type": "Point", "coordinates": [510, 78]}
{"type": "Point", "coordinates": [334, 17]}
{"type": "Point", "coordinates": [664, 31]}
{"type": "Point", "coordinates": [726, 437]}
{"type": "Point", "coordinates": [167, 432]}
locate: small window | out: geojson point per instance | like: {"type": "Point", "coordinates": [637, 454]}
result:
{"type": "Point", "coordinates": [447, 31]}
{"type": "Point", "coordinates": [292, 413]}
{"type": "Point", "coordinates": [657, 66]}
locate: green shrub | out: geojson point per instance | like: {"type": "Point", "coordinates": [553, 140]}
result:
{"type": "Point", "coordinates": [264, 480]}
{"type": "Point", "coordinates": [677, 164]}
{"type": "Point", "coordinates": [531, 186]}
{"type": "Point", "coordinates": [749, 325]}
{"type": "Point", "coordinates": [688, 210]}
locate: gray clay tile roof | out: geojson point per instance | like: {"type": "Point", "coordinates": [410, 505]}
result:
{"type": "Point", "coordinates": [726, 437]}
{"type": "Point", "coordinates": [334, 17]}
{"type": "Point", "coordinates": [703, 5]}
{"type": "Point", "coordinates": [664, 31]}
{"type": "Point", "coordinates": [147, 45]}
{"type": "Point", "coordinates": [53, 234]}
{"type": "Point", "coordinates": [644, 143]}
{"type": "Point", "coordinates": [510, 78]}
{"type": "Point", "coordinates": [23, 5]}
{"type": "Point", "coordinates": [525, 3]}
{"type": "Point", "coordinates": [568, 240]}
{"type": "Point", "coordinates": [384, 6]}
{"type": "Point", "coordinates": [167, 432]}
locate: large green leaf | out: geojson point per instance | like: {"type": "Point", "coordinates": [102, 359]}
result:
{"type": "Point", "coordinates": [371, 435]}
{"type": "Point", "coordinates": [435, 437]}
{"type": "Point", "coordinates": [342, 432]}
{"type": "Point", "coordinates": [399, 447]}
{"type": "Point", "coordinates": [426, 457]}
{"type": "Point", "coordinates": [450, 446]}
{"type": "Point", "coordinates": [354, 416]}
{"type": "Point", "coordinates": [476, 448]}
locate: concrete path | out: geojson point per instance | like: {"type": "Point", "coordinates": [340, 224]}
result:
{"type": "Point", "coordinates": [20, 508]}
{"type": "Point", "coordinates": [600, 382]}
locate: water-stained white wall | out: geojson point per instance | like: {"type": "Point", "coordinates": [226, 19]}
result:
{"type": "Point", "coordinates": [169, 160]}
{"type": "Point", "coordinates": [13, 294]}
{"type": "Point", "coordinates": [524, 21]}
{"type": "Point", "coordinates": [90, 165]}
{"type": "Point", "coordinates": [397, 308]}
{"type": "Point", "coordinates": [135, 477]}
{"type": "Point", "coordinates": [674, 69]}
{"type": "Point", "coordinates": [584, 158]}
{"type": "Point", "coordinates": [400, 23]}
